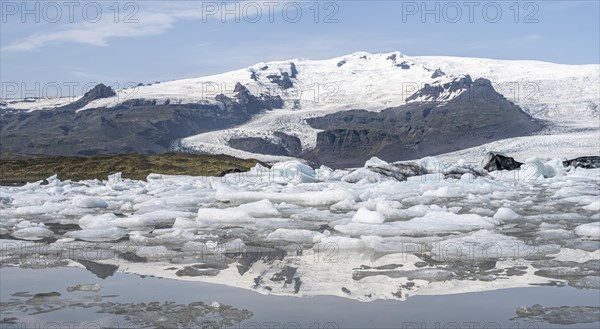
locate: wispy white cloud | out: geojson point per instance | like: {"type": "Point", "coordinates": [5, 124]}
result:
{"type": "Point", "coordinates": [96, 34]}
{"type": "Point", "coordinates": [151, 20]}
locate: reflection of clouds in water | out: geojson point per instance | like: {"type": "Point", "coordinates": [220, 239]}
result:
{"type": "Point", "coordinates": [151, 314]}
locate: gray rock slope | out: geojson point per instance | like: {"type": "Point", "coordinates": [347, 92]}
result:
{"type": "Point", "coordinates": [477, 116]}
{"type": "Point", "coordinates": [135, 126]}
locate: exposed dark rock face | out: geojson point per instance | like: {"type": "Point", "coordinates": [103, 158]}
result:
{"type": "Point", "coordinates": [257, 145]}
{"type": "Point", "coordinates": [98, 92]}
{"type": "Point", "coordinates": [498, 161]}
{"type": "Point", "coordinates": [438, 73]}
{"type": "Point", "coordinates": [289, 145]}
{"type": "Point", "coordinates": [251, 103]}
{"type": "Point", "coordinates": [434, 92]}
{"type": "Point", "coordinates": [477, 116]}
{"type": "Point", "coordinates": [282, 80]}
{"type": "Point", "coordinates": [134, 126]}
{"type": "Point", "coordinates": [340, 63]}
{"type": "Point", "coordinates": [293, 70]}
{"type": "Point", "coordinates": [588, 162]}
{"type": "Point", "coordinates": [404, 65]}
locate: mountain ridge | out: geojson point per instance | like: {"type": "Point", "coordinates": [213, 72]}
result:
{"type": "Point", "coordinates": [303, 90]}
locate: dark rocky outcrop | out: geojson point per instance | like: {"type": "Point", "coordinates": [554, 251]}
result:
{"type": "Point", "coordinates": [404, 65]}
{"type": "Point", "coordinates": [288, 145]}
{"type": "Point", "coordinates": [257, 145]}
{"type": "Point", "coordinates": [477, 116]}
{"type": "Point", "coordinates": [98, 92]}
{"type": "Point", "coordinates": [588, 162]}
{"type": "Point", "coordinates": [437, 73]}
{"type": "Point", "coordinates": [498, 161]}
{"type": "Point", "coordinates": [253, 76]}
{"type": "Point", "coordinates": [340, 63]}
{"type": "Point", "coordinates": [282, 80]}
{"type": "Point", "coordinates": [292, 143]}
{"type": "Point", "coordinates": [434, 92]}
{"type": "Point", "coordinates": [293, 70]}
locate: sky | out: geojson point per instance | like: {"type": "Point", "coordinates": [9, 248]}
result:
{"type": "Point", "coordinates": [65, 47]}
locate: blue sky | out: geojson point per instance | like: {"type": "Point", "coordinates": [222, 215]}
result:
{"type": "Point", "coordinates": [147, 41]}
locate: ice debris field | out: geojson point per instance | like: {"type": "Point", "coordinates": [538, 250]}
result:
{"type": "Point", "coordinates": [384, 231]}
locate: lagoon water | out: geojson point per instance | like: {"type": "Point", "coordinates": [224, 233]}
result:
{"type": "Point", "coordinates": [131, 301]}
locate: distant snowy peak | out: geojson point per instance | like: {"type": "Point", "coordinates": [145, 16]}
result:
{"type": "Point", "coordinates": [375, 82]}
{"type": "Point", "coordinates": [280, 74]}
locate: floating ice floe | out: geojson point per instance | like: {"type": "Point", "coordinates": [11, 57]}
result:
{"type": "Point", "coordinates": [590, 230]}
{"type": "Point", "coordinates": [27, 230]}
{"type": "Point", "coordinates": [364, 215]}
{"type": "Point", "coordinates": [535, 168]}
{"type": "Point", "coordinates": [85, 201]}
{"type": "Point", "coordinates": [292, 172]}
{"type": "Point", "coordinates": [594, 206]}
{"type": "Point", "coordinates": [432, 164]}
{"type": "Point", "coordinates": [296, 236]}
{"type": "Point", "coordinates": [504, 213]}
{"type": "Point", "coordinates": [100, 234]}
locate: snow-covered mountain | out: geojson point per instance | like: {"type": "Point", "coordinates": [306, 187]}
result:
{"type": "Point", "coordinates": [565, 96]}
{"type": "Point", "coordinates": [562, 94]}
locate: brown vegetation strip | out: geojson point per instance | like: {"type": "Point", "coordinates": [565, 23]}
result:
{"type": "Point", "coordinates": [134, 166]}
